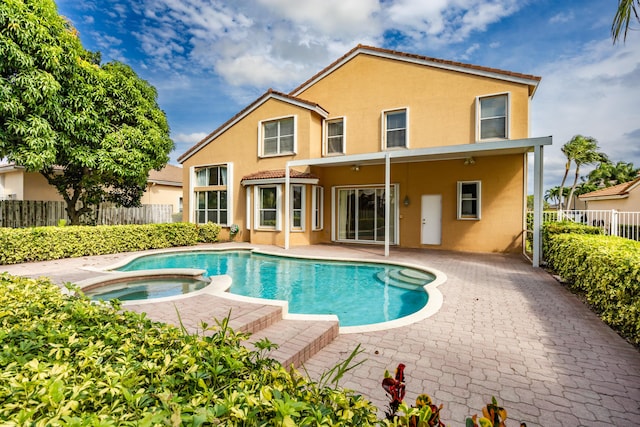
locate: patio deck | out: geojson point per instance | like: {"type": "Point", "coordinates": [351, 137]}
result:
{"type": "Point", "coordinates": [505, 329]}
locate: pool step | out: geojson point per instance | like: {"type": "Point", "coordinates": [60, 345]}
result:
{"type": "Point", "coordinates": [191, 312]}
{"type": "Point", "coordinates": [297, 340]}
{"type": "Point", "coordinates": [407, 279]}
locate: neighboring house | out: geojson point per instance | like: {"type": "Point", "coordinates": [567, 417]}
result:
{"type": "Point", "coordinates": [623, 197]}
{"type": "Point", "coordinates": [382, 147]}
{"type": "Point", "coordinates": [163, 187]}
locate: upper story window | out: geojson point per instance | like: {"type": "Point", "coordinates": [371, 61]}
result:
{"type": "Point", "coordinates": [395, 133]}
{"type": "Point", "coordinates": [278, 136]}
{"type": "Point", "coordinates": [335, 136]}
{"type": "Point", "coordinates": [468, 199]}
{"type": "Point", "coordinates": [493, 118]}
{"type": "Point", "coordinates": [211, 175]}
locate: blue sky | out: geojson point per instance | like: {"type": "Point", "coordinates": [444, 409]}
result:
{"type": "Point", "coordinates": [208, 59]}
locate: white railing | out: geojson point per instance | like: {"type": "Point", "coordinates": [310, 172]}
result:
{"type": "Point", "coordinates": [612, 222]}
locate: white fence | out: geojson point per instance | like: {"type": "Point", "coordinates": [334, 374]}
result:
{"type": "Point", "coordinates": [612, 222]}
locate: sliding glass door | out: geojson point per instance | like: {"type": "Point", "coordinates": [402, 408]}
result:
{"type": "Point", "coordinates": [361, 214]}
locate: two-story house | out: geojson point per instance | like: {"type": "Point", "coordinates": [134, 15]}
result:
{"type": "Point", "coordinates": [380, 147]}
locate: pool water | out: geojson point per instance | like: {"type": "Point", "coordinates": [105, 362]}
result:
{"type": "Point", "coordinates": [358, 293]}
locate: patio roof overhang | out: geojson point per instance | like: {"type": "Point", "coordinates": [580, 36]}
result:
{"type": "Point", "coordinates": [428, 154]}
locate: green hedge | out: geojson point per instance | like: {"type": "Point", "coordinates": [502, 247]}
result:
{"type": "Point", "coordinates": [68, 362]}
{"type": "Point", "coordinates": [605, 269]}
{"type": "Point", "coordinates": [19, 245]}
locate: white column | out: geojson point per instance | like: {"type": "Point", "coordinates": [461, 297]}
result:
{"type": "Point", "coordinates": [387, 202]}
{"type": "Point", "coordinates": [538, 152]}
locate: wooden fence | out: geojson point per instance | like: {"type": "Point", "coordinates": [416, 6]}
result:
{"type": "Point", "coordinates": [28, 213]}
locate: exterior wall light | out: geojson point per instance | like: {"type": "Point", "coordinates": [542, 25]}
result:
{"type": "Point", "coordinates": [406, 200]}
{"type": "Point", "coordinates": [469, 161]}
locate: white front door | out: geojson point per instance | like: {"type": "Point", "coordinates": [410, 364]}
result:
{"type": "Point", "coordinates": [431, 219]}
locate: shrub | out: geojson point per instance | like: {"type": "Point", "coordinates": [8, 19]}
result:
{"type": "Point", "coordinates": [47, 243]}
{"type": "Point", "coordinates": [66, 361]}
{"type": "Point", "coordinates": [606, 270]}
{"type": "Point", "coordinates": [208, 233]}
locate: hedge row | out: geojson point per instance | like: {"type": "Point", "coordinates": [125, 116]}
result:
{"type": "Point", "coordinates": [68, 362]}
{"type": "Point", "coordinates": [19, 245]}
{"type": "Point", "coordinates": [605, 269]}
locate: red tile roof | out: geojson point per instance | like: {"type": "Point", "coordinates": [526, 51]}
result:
{"type": "Point", "coordinates": [616, 190]}
{"type": "Point", "coordinates": [402, 55]}
{"type": "Point", "coordinates": [278, 173]}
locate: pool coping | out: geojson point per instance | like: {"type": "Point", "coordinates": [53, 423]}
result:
{"type": "Point", "coordinates": [220, 284]}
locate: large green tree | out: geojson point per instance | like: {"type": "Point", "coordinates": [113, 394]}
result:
{"type": "Point", "coordinates": [626, 11]}
{"type": "Point", "coordinates": [93, 131]}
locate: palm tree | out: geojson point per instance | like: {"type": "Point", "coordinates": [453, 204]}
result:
{"type": "Point", "coordinates": [626, 8]}
{"type": "Point", "coordinates": [584, 152]}
{"type": "Point", "coordinates": [553, 196]}
{"type": "Point", "coordinates": [608, 174]}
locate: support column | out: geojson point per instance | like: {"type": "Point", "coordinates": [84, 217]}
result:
{"type": "Point", "coordinates": [538, 152]}
{"type": "Point", "coordinates": [387, 202]}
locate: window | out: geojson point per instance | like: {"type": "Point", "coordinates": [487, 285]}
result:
{"type": "Point", "coordinates": [297, 207]}
{"type": "Point", "coordinates": [211, 206]}
{"type": "Point", "coordinates": [335, 136]}
{"type": "Point", "coordinates": [214, 175]}
{"type": "Point", "coordinates": [469, 200]}
{"type": "Point", "coordinates": [395, 129]}
{"type": "Point", "coordinates": [211, 191]}
{"type": "Point", "coordinates": [317, 207]}
{"type": "Point", "coordinates": [268, 207]}
{"type": "Point", "coordinates": [278, 137]}
{"type": "Point", "coordinates": [492, 117]}
{"type": "Point", "coordinates": [361, 214]}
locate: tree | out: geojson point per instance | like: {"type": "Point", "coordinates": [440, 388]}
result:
{"type": "Point", "coordinates": [584, 152]}
{"type": "Point", "coordinates": [580, 150]}
{"type": "Point", "coordinates": [626, 10]}
{"type": "Point", "coordinates": [554, 196]}
{"type": "Point", "coordinates": [94, 132]}
{"type": "Point", "coordinates": [608, 174]}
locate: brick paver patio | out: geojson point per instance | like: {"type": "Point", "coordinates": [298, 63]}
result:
{"type": "Point", "coordinates": [505, 329]}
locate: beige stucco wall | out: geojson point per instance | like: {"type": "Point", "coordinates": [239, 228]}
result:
{"type": "Point", "coordinates": [158, 194]}
{"type": "Point", "coordinates": [36, 187]}
{"type": "Point", "coordinates": [441, 103]}
{"type": "Point", "coordinates": [628, 204]}
{"type": "Point", "coordinates": [14, 184]}
{"type": "Point", "coordinates": [442, 112]}
{"type": "Point", "coordinates": [239, 145]}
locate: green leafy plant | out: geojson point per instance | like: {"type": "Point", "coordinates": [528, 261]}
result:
{"type": "Point", "coordinates": [208, 233]}
{"type": "Point", "coordinates": [67, 361]}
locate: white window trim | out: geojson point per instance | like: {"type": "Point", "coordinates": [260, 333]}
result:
{"type": "Point", "coordinates": [317, 192]}
{"type": "Point", "coordinates": [303, 201]}
{"type": "Point", "coordinates": [256, 208]}
{"type": "Point", "coordinates": [261, 153]}
{"type": "Point", "coordinates": [479, 201]}
{"type": "Point", "coordinates": [507, 124]}
{"type": "Point", "coordinates": [325, 138]}
{"type": "Point", "coordinates": [193, 189]}
{"type": "Point", "coordinates": [383, 123]}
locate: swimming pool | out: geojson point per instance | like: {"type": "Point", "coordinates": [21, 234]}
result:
{"type": "Point", "coordinates": [359, 293]}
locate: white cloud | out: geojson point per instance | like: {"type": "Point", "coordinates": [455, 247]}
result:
{"type": "Point", "coordinates": [595, 93]}
{"type": "Point", "coordinates": [562, 17]}
{"type": "Point", "coordinates": [188, 138]}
